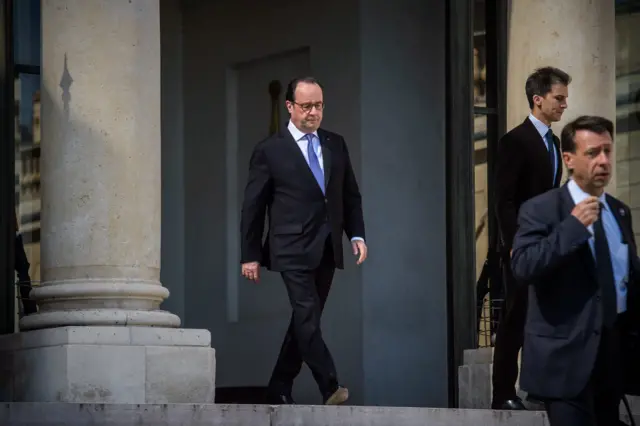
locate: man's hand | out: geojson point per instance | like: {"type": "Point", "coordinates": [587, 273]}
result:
{"type": "Point", "coordinates": [251, 271]}
{"type": "Point", "coordinates": [359, 247]}
{"type": "Point", "coordinates": [587, 211]}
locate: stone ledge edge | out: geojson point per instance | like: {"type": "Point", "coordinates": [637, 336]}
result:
{"type": "Point", "coordinates": [106, 336]}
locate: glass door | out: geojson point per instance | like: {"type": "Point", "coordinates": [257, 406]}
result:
{"type": "Point", "coordinates": [20, 46]}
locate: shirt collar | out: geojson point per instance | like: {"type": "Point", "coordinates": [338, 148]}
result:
{"type": "Point", "coordinates": [296, 133]}
{"type": "Point", "coordinates": [542, 128]}
{"type": "Point", "coordinates": [579, 195]}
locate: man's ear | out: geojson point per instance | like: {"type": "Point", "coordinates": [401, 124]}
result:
{"type": "Point", "coordinates": [568, 158]}
{"type": "Point", "coordinates": [537, 100]}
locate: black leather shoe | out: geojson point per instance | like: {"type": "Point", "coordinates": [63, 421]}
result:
{"type": "Point", "coordinates": [510, 404]}
{"type": "Point", "coordinates": [280, 399]}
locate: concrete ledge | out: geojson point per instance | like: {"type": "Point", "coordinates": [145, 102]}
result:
{"type": "Point", "coordinates": [478, 356]}
{"type": "Point", "coordinates": [98, 335]}
{"type": "Point", "coordinates": [120, 365]}
{"type": "Point", "coordinates": [61, 414]}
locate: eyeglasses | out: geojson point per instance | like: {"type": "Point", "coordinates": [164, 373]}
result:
{"type": "Point", "coordinates": [319, 106]}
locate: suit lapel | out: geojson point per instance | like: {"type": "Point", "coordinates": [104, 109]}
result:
{"type": "Point", "coordinates": [326, 156]}
{"type": "Point", "coordinates": [567, 206]}
{"type": "Point", "coordinates": [624, 224]}
{"type": "Point", "coordinates": [293, 148]}
{"type": "Point", "coordinates": [619, 213]}
{"type": "Point", "coordinates": [556, 144]}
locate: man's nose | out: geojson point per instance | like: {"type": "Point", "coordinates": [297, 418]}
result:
{"type": "Point", "coordinates": [604, 159]}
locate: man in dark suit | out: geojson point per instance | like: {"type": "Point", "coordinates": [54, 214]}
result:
{"type": "Point", "coordinates": [304, 179]}
{"type": "Point", "coordinates": [528, 164]}
{"type": "Point", "coordinates": [575, 253]}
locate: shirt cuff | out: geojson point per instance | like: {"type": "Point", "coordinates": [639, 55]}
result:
{"type": "Point", "coordinates": [357, 239]}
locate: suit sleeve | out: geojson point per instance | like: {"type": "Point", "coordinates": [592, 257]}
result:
{"type": "Point", "coordinates": [508, 165]}
{"type": "Point", "coordinates": [539, 247]}
{"type": "Point", "coordinates": [256, 197]}
{"type": "Point", "coordinates": [633, 237]}
{"type": "Point", "coordinates": [635, 262]}
{"type": "Point", "coordinates": [352, 201]}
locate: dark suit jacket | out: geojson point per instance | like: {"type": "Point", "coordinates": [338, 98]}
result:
{"type": "Point", "coordinates": [564, 317]}
{"type": "Point", "coordinates": [523, 170]}
{"type": "Point", "coordinates": [300, 216]}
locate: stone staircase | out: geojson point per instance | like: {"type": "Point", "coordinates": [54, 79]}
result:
{"type": "Point", "coordinates": [475, 386]}
{"type": "Point", "coordinates": [67, 414]}
{"type": "Point", "coordinates": [474, 400]}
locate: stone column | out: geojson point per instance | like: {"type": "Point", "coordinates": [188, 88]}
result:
{"type": "Point", "coordinates": [577, 36]}
{"type": "Point", "coordinates": [100, 165]}
{"type": "Point", "coordinates": [100, 336]}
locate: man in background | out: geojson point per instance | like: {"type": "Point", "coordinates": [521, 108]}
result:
{"type": "Point", "coordinates": [528, 164]}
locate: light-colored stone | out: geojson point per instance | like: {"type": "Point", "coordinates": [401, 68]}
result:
{"type": "Point", "coordinates": [108, 365]}
{"type": "Point", "coordinates": [474, 386]}
{"type": "Point", "coordinates": [256, 415]}
{"type": "Point", "coordinates": [100, 166]}
{"type": "Point", "coordinates": [478, 356]}
{"type": "Point", "coordinates": [179, 374]}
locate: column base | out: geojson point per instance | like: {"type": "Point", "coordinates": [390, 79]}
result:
{"type": "Point", "coordinates": [132, 365]}
{"type": "Point", "coordinates": [99, 317]}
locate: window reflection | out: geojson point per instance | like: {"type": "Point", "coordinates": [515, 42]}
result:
{"type": "Point", "coordinates": [480, 145]}
{"type": "Point", "coordinates": [27, 166]}
{"type": "Point", "coordinates": [27, 141]}
{"type": "Point", "coordinates": [479, 54]}
{"type": "Point", "coordinates": [628, 105]}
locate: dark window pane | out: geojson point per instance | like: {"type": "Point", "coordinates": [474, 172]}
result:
{"type": "Point", "coordinates": [628, 106]}
{"type": "Point", "coordinates": [479, 53]}
{"type": "Point", "coordinates": [26, 32]}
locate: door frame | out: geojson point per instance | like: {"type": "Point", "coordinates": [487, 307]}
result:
{"type": "Point", "coordinates": [7, 170]}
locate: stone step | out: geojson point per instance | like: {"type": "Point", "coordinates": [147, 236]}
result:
{"type": "Point", "coordinates": [69, 414]}
{"type": "Point", "coordinates": [475, 389]}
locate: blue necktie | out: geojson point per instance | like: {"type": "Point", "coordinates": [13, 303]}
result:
{"type": "Point", "coordinates": [552, 152]}
{"type": "Point", "coordinates": [314, 164]}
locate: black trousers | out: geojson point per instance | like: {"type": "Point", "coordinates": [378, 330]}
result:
{"type": "Point", "coordinates": [308, 292]}
{"type": "Point", "coordinates": [598, 404]}
{"type": "Point", "coordinates": [509, 336]}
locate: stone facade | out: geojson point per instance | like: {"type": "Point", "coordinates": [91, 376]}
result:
{"type": "Point", "coordinates": [100, 335]}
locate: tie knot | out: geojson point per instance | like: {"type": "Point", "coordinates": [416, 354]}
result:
{"type": "Point", "coordinates": [601, 209]}
{"type": "Point", "coordinates": [309, 137]}
{"type": "Point", "coordinates": [550, 134]}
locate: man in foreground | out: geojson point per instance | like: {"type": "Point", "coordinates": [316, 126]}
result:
{"type": "Point", "coordinates": [575, 251]}
{"type": "Point", "coordinates": [304, 179]}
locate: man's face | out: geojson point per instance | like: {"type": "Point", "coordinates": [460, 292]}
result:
{"type": "Point", "coordinates": [306, 110]}
{"type": "Point", "coordinates": [591, 162]}
{"type": "Point", "coordinates": [553, 104]}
